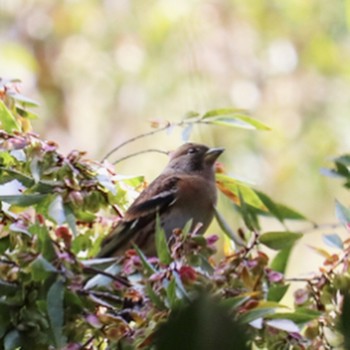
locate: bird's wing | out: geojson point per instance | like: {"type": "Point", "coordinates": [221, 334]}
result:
{"type": "Point", "coordinates": [157, 197]}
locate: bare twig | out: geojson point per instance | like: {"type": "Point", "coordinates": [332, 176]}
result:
{"type": "Point", "coordinates": [119, 279]}
{"type": "Point", "coordinates": [104, 295]}
{"type": "Point", "coordinates": [140, 152]}
{"type": "Point", "coordinates": [117, 148]}
{"type": "Point", "coordinates": [317, 227]}
{"type": "Point", "coordinates": [188, 121]}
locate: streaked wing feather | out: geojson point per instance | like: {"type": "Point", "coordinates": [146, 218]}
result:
{"type": "Point", "coordinates": [140, 214]}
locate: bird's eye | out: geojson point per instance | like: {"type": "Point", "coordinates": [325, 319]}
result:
{"type": "Point", "coordinates": [192, 150]}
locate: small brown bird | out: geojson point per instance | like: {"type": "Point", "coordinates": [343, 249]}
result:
{"type": "Point", "coordinates": [185, 190]}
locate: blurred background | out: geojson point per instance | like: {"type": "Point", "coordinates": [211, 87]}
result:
{"type": "Point", "coordinates": [103, 69]}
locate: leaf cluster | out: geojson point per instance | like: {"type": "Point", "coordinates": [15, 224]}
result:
{"type": "Point", "coordinates": [55, 210]}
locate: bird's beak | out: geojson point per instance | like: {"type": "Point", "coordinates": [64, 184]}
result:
{"type": "Point", "coordinates": [212, 155]}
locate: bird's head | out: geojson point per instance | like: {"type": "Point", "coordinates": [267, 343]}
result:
{"type": "Point", "coordinates": [192, 157]}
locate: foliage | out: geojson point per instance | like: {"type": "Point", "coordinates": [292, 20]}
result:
{"type": "Point", "coordinates": [55, 209]}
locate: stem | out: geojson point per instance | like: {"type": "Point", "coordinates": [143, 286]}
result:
{"type": "Point", "coordinates": [116, 278]}
{"type": "Point", "coordinates": [138, 153]}
{"type": "Point", "coordinates": [117, 148]}
{"type": "Point", "coordinates": [188, 121]}
{"type": "Point", "coordinates": [316, 227]}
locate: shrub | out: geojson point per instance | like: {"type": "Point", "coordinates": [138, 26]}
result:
{"type": "Point", "coordinates": [56, 209]}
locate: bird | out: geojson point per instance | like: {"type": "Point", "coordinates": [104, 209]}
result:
{"type": "Point", "coordinates": [184, 191]}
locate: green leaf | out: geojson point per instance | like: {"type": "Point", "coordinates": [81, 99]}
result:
{"type": "Point", "coordinates": [256, 313]}
{"type": "Point", "coordinates": [232, 187]}
{"type": "Point", "coordinates": [7, 121]}
{"type": "Point", "coordinates": [157, 301]}
{"type": "Point", "coordinates": [41, 269]}
{"type": "Point", "coordinates": [343, 214]}
{"type": "Point", "coordinates": [187, 228]}
{"type": "Point", "coordinates": [249, 217]}
{"type": "Point", "coordinates": [55, 311]}
{"type": "Point", "coordinates": [171, 293]}
{"type": "Point", "coordinates": [279, 239]}
{"type": "Point", "coordinates": [162, 247]}
{"type": "Point", "coordinates": [23, 99]}
{"type": "Point", "coordinates": [23, 200]}
{"type": "Point", "coordinates": [25, 113]}
{"type": "Point", "coordinates": [235, 302]}
{"type": "Point", "coordinates": [46, 246]}
{"type": "Point", "coordinates": [222, 111]}
{"type": "Point", "coordinates": [233, 118]}
{"type": "Point", "coordinates": [280, 261]}
{"type": "Point", "coordinates": [299, 316]}
{"type": "Point", "coordinates": [277, 292]}
{"type": "Point", "coordinates": [265, 308]}
{"type": "Point", "coordinates": [150, 269]}
{"type": "Point", "coordinates": [35, 169]}
{"type": "Point", "coordinates": [279, 211]}
{"type": "Point", "coordinates": [70, 218]}
{"type": "Point", "coordinates": [333, 240]}
{"type": "Point", "coordinates": [289, 213]}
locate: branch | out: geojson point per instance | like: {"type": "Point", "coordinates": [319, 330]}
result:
{"type": "Point", "coordinates": [140, 152]}
{"type": "Point", "coordinates": [187, 121]}
{"type": "Point", "coordinates": [117, 148]}
{"type": "Point", "coordinates": [119, 279]}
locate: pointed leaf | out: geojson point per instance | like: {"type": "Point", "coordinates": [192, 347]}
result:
{"type": "Point", "coordinates": [232, 187]}
{"type": "Point", "coordinates": [7, 121]}
{"type": "Point", "coordinates": [279, 239]}
{"type": "Point", "coordinates": [41, 269]}
{"type": "Point", "coordinates": [56, 210]}
{"type": "Point", "coordinates": [23, 99]}
{"type": "Point", "coordinates": [343, 214]}
{"type": "Point", "coordinates": [70, 218]}
{"type": "Point", "coordinates": [171, 293]}
{"type": "Point", "coordinates": [333, 240]}
{"type": "Point", "coordinates": [23, 200]}
{"type": "Point", "coordinates": [150, 269]}
{"type": "Point", "coordinates": [233, 118]}
{"type": "Point", "coordinates": [55, 311]}
{"type": "Point", "coordinates": [299, 316]}
{"type": "Point", "coordinates": [158, 302]}
{"type": "Point", "coordinates": [277, 292]}
{"type": "Point", "coordinates": [280, 261]}
{"type": "Point", "coordinates": [249, 216]}
{"type": "Point", "coordinates": [162, 247]}
{"type": "Point", "coordinates": [279, 211]}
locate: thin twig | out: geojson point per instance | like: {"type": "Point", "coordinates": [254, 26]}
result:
{"type": "Point", "coordinates": [317, 227]}
{"type": "Point", "coordinates": [194, 120]}
{"type": "Point", "coordinates": [104, 295]}
{"type": "Point", "coordinates": [117, 148]}
{"type": "Point", "coordinates": [116, 278]}
{"type": "Point", "coordinates": [140, 152]}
